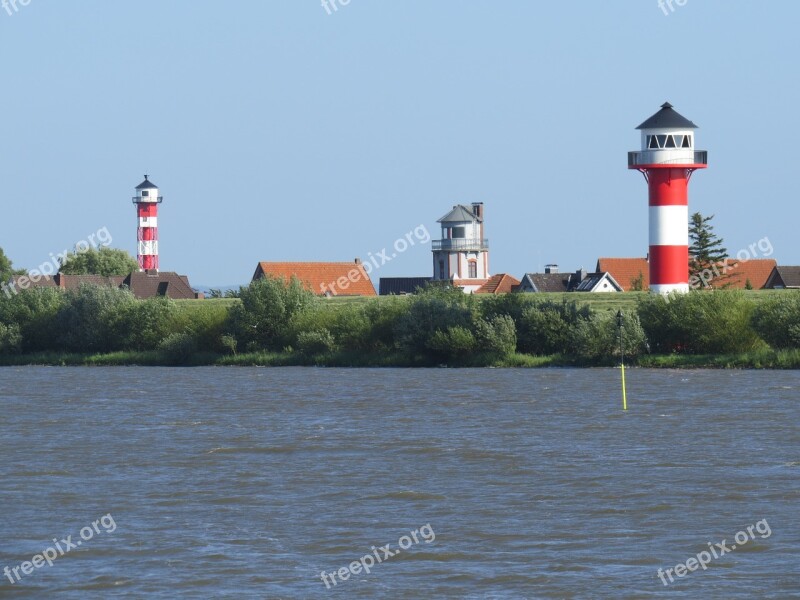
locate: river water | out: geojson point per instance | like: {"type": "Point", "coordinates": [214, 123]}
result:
{"type": "Point", "coordinates": [249, 483]}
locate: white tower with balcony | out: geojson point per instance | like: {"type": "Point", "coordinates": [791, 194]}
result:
{"type": "Point", "coordinates": [462, 255]}
{"type": "Point", "coordinates": [667, 160]}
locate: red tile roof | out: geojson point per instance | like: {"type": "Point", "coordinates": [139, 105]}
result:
{"type": "Point", "coordinates": [625, 271]}
{"type": "Point", "coordinates": [334, 279]}
{"type": "Point", "coordinates": [498, 284]}
{"type": "Point", "coordinates": [734, 274]}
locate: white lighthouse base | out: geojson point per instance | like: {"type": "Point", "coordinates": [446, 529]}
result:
{"type": "Point", "coordinates": [664, 289]}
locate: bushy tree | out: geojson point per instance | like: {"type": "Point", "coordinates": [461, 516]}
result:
{"type": "Point", "coordinates": [178, 348]}
{"type": "Point", "coordinates": [777, 320]}
{"type": "Point", "coordinates": [496, 336]}
{"type": "Point", "coordinates": [88, 321]}
{"type": "Point", "coordinates": [598, 337]}
{"type": "Point", "coordinates": [10, 339]}
{"type": "Point", "coordinates": [268, 305]}
{"type": "Point", "coordinates": [141, 325]}
{"type": "Point", "coordinates": [452, 344]}
{"type": "Point", "coordinates": [314, 343]}
{"type": "Point", "coordinates": [434, 315]}
{"type": "Point", "coordinates": [546, 327]}
{"type": "Point", "coordinates": [104, 261]}
{"type": "Point", "coordinates": [34, 312]}
{"type": "Point", "coordinates": [7, 270]}
{"type": "Point", "coordinates": [699, 323]}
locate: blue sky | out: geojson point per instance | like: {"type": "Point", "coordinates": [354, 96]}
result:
{"type": "Point", "coordinates": [279, 132]}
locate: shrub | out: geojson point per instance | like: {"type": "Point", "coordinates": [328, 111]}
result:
{"type": "Point", "coordinates": [435, 312]}
{"type": "Point", "coordinates": [451, 344]}
{"type": "Point", "coordinates": [497, 335]}
{"type": "Point", "coordinates": [268, 305]}
{"type": "Point", "coordinates": [777, 320]}
{"type": "Point", "coordinates": [229, 343]}
{"type": "Point", "coordinates": [142, 324]}
{"type": "Point", "coordinates": [10, 339]}
{"type": "Point", "coordinates": [89, 321]}
{"type": "Point", "coordinates": [34, 312]}
{"type": "Point", "coordinates": [701, 322]}
{"type": "Point", "coordinates": [314, 343]}
{"type": "Point", "coordinates": [547, 327]}
{"type": "Point", "coordinates": [178, 348]}
{"type": "Point", "coordinates": [598, 337]}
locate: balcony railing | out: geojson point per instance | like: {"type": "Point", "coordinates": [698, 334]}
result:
{"type": "Point", "coordinates": [146, 199]}
{"type": "Point", "coordinates": [460, 244]}
{"type": "Point", "coordinates": [647, 158]}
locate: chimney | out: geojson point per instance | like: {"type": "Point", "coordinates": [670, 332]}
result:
{"type": "Point", "coordinates": [551, 269]}
{"type": "Point", "coordinates": [477, 208]}
{"type": "Point", "coordinates": [358, 261]}
{"type": "Point", "coordinates": [580, 274]}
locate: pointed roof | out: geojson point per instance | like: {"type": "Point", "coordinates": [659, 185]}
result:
{"type": "Point", "coordinates": [498, 284]}
{"type": "Point", "coordinates": [626, 271]}
{"type": "Point", "coordinates": [667, 118]}
{"type": "Point", "coordinates": [460, 214]}
{"type": "Point", "coordinates": [147, 185]}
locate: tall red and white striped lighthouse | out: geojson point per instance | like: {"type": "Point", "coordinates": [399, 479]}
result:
{"type": "Point", "coordinates": [147, 201]}
{"type": "Point", "coordinates": [667, 160]}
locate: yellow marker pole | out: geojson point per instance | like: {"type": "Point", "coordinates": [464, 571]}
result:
{"type": "Point", "coordinates": [624, 396]}
{"type": "Point", "coordinates": [622, 361]}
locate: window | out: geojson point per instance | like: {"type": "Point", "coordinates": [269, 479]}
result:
{"type": "Point", "coordinates": [145, 193]}
{"type": "Point", "coordinates": [442, 274]}
{"type": "Point", "coordinates": [459, 232]}
{"type": "Point", "coordinates": [652, 142]}
{"type": "Point", "coordinates": [662, 140]}
{"type": "Point", "coordinates": [670, 142]}
{"type": "Point", "coordinates": [678, 141]}
{"type": "Point", "coordinates": [473, 269]}
{"type": "Point", "coordinates": [687, 142]}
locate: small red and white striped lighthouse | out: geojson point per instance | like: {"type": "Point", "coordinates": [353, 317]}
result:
{"type": "Point", "coordinates": [147, 201]}
{"type": "Point", "coordinates": [667, 160]}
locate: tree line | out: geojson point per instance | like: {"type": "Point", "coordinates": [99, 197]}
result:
{"type": "Point", "coordinates": [435, 326]}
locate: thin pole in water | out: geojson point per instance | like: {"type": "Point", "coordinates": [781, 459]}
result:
{"type": "Point", "coordinates": [622, 360]}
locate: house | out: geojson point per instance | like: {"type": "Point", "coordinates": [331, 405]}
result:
{"type": "Point", "coordinates": [499, 284]}
{"type": "Point", "coordinates": [461, 257]}
{"type": "Point", "coordinates": [143, 284]}
{"type": "Point", "coordinates": [738, 274]}
{"type": "Point", "coordinates": [151, 283]}
{"type": "Point", "coordinates": [579, 281]}
{"type": "Point", "coordinates": [323, 278]}
{"type": "Point", "coordinates": [598, 283]}
{"type": "Point", "coordinates": [783, 278]}
{"type": "Point", "coordinates": [395, 286]}
{"type": "Point", "coordinates": [632, 274]}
